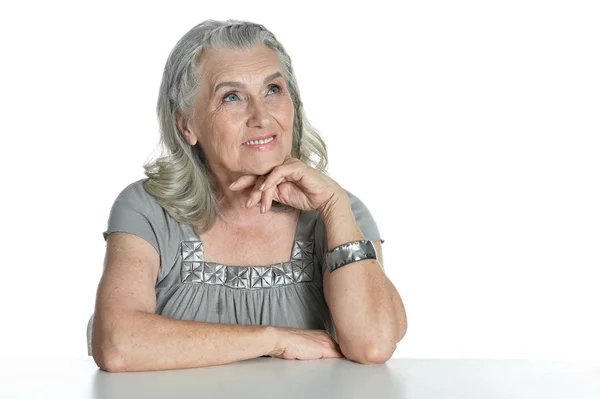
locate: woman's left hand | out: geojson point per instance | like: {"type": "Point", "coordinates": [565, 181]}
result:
{"type": "Point", "coordinates": [292, 183]}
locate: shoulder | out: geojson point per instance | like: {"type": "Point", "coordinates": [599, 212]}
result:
{"type": "Point", "coordinates": [136, 196]}
{"type": "Point", "coordinates": [364, 218]}
{"type": "Point", "coordinates": [134, 201]}
{"type": "Point", "coordinates": [138, 212]}
{"type": "Point", "coordinates": [136, 190]}
{"type": "Point", "coordinates": [358, 206]}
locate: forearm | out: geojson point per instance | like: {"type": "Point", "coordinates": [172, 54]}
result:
{"type": "Point", "coordinates": [143, 341]}
{"type": "Point", "coordinates": [365, 306]}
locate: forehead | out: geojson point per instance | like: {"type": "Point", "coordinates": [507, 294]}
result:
{"type": "Point", "coordinates": [226, 64]}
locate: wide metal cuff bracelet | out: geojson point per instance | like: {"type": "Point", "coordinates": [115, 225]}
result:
{"type": "Point", "coordinates": [350, 252]}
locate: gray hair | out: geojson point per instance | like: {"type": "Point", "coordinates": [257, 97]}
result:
{"type": "Point", "coordinates": [180, 179]}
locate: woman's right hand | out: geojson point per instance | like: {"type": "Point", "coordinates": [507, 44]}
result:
{"type": "Point", "coordinates": [300, 344]}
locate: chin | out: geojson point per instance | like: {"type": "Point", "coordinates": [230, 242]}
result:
{"type": "Point", "coordinates": [267, 166]}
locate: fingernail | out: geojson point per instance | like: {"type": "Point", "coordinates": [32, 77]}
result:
{"type": "Point", "coordinates": [262, 209]}
{"type": "Point", "coordinates": [248, 203]}
{"type": "Point", "coordinates": [262, 187]}
{"type": "Point", "coordinates": [233, 184]}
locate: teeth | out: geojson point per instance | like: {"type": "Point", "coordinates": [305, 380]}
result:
{"type": "Point", "coordinates": [254, 142]}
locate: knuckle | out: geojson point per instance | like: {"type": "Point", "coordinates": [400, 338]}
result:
{"type": "Point", "coordinates": [276, 170]}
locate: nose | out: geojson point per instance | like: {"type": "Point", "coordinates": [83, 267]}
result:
{"type": "Point", "coordinates": [258, 114]}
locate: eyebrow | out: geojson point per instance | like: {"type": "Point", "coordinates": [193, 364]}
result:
{"type": "Point", "coordinates": [239, 84]}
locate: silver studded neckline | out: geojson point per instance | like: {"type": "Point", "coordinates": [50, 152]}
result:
{"type": "Point", "coordinates": [299, 269]}
{"type": "Point", "coordinates": [194, 270]}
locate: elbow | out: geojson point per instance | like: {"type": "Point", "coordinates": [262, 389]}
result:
{"type": "Point", "coordinates": [107, 354]}
{"type": "Point", "coordinates": [378, 354]}
{"type": "Point", "coordinates": [373, 353]}
{"type": "Point", "coordinates": [109, 361]}
{"type": "Point", "coordinates": [368, 352]}
{"type": "Point", "coordinates": [402, 329]}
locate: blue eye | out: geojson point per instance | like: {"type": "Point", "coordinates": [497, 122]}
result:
{"type": "Point", "coordinates": [274, 86]}
{"type": "Point", "coordinates": [227, 95]}
{"type": "Point", "coordinates": [224, 99]}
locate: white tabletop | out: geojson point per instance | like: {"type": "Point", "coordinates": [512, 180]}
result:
{"type": "Point", "coordinates": [331, 378]}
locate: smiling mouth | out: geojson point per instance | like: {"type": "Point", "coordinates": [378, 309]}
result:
{"type": "Point", "coordinates": [258, 142]}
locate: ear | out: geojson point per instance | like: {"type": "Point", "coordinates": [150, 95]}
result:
{"type": "Point", "coordinates": [184, 128]}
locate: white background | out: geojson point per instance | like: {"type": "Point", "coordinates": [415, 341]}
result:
{"type": "Point", "coordinates": [469, 128]}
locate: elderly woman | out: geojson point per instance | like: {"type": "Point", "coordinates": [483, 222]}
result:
{"type": "Point", "coordinates": [238, 245]}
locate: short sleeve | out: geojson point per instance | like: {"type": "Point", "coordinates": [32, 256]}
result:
{"type": "Point", "coordinates": [129, 215]}
{"type": "Point", "coordinates": [137, 212]}
{"type": "Point", "coordinates": [364, 220]}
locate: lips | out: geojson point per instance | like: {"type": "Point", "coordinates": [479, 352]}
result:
{"type": "Point", "coordinates": [263, 137]}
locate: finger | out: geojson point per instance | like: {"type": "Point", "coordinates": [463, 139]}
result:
{"type": "Point", "coordinates": [286, 172]}
{"type": "Point", "coordinates": [255, 194]}
{"type": "Point", "coordinates": [243, 182]}
{"type": "Point", "coordinates": [334, 353]}
{"type": "Point", "coordinates": [272, 185]}
{"type": "Point", "coordinates": [267, 199]}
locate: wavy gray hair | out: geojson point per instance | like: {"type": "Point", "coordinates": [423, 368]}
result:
{"type": "Point", "coordinates": [180, 178]}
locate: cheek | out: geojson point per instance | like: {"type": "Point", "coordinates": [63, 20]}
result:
{"type": "Point", "coordinates": [226, 122]}
{"type": "Point", "coordinates": [226, 133]}
{"type": "Point", "coordinates": [215, 131]}
{"type": "Point", "coordinates": [285, 112]}
{"type": "Point", "coordinates": [229, 122]}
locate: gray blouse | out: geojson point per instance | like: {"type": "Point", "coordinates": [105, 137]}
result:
{"type": "Point", "coordinates": [288, 294]}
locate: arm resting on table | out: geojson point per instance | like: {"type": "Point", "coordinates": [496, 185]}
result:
{"type": "Point", "coordinates": [365, 306]}
{"type": "Point", "coordinates": [140, 341]}
{"type": "Point", "coordinates": [128, 336]}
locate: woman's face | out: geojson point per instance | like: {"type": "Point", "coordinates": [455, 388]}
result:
{"type": "Point", "coordinates": [243, 97]}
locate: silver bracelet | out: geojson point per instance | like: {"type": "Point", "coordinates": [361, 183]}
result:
{"type": "Point", "coordinates": [349, 253]}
